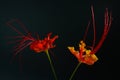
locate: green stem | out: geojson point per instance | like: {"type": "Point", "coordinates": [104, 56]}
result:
{"type": "Point", "coordinates": [51, 64]}
{"type": "Point", "coordinates": [74, 71]}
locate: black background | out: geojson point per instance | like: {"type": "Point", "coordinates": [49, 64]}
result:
{"type": "Point", "coordinates": [68, 19]}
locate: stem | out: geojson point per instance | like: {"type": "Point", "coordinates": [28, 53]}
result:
{"type": "Point", "coordinates": [51, 64]}
{"type": "Point", "coordinates": [74, 71]}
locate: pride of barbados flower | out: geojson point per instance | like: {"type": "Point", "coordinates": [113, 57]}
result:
{"type": "Point", "coordinates": [43, 45]}
{"type": "Point", "coordinates": [35, 44]}
{"type": "Point", "coordinates": [83, 55]}
{"type": "Point", "coordinates": [88, 56]}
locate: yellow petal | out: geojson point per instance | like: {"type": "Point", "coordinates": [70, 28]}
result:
{"type": "Point", "coordinates": [94, 57]}
{"type": "Point", "coordinates": [72, 50]}
{"type": "Point", "coordinates": [88, 52]}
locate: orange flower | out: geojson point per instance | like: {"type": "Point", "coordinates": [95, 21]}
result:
{"type": "Point", "coordinates": [43, 45]}
{"type": "Point", "coordinates": [83, 55]}
{"type": "Point", "coordinates": [88, 56]}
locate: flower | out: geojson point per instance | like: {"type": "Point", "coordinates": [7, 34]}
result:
{"type": "Point", "coordinates": [43, 45]}
{"type": "Point", "coordinates": [84, 55]}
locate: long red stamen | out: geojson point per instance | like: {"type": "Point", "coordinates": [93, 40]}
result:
{"type": "Point", "coordinates": [94, 30]}
{"type": "Point", "coordinates": [108, 21]}
{"type": "Point", "coordinates": [22, 47]}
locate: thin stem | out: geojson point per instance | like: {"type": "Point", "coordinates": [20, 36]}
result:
{"type": "Point", "coordinates": [51, 64]}
{"type": "Point", "coordinates": [74, 71]}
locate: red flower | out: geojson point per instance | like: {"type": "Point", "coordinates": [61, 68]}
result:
{"type": "Point", "coordinates": [43, 45]}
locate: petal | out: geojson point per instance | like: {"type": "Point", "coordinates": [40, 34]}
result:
{"type": "Point", "coordinates": [74, 52]}
{"type": "Point", "coordinates": [90, 59]}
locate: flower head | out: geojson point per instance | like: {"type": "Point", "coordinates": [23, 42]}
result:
{"type": "Point", "coordinates": [43, 45]}
{"type": "Point", "coordinates": [83, 55]}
